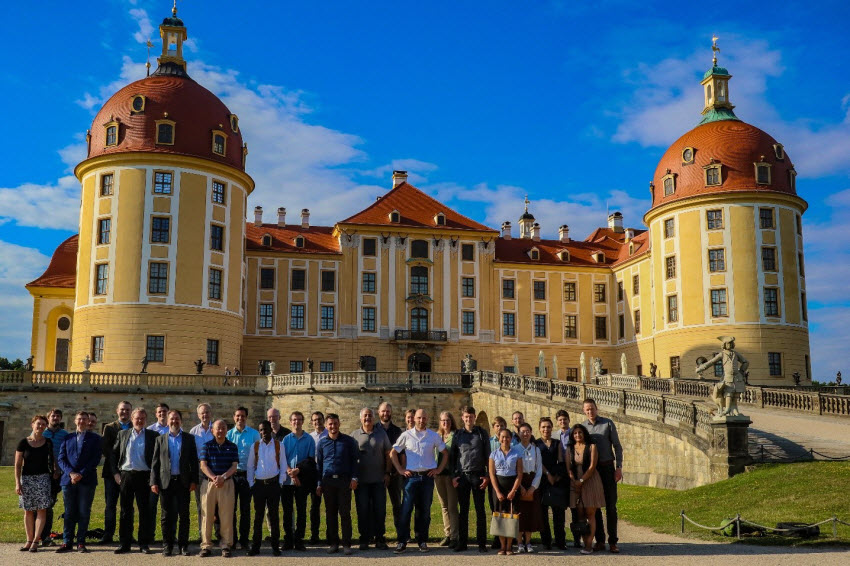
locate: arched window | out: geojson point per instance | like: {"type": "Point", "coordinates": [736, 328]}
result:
{"type": "Point", "coordinates": [418, 280]}
{"type": "Point", "coordinates": [112, 134]}
{"type": "Point", "coordinates": [219, 143]}
{"type": "Point", "coordinates": [395, 216]}
{"type": "Point", "coordinates": [419, 320]}
{"type": "Point", "coordinates": [299, 242]}
{"type": "Point", "coordinates": [419, 248]}
{"type": "Point", "coordinates": [164, 132]}
{"type": "Point", "coordinates": [267, 240]}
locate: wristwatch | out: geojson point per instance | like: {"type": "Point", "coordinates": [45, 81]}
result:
{"type": "Point", "coordinates": [581, 480]}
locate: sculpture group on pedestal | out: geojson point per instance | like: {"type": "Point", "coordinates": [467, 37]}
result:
{"type": "Point", "coordinates": [727, 392]}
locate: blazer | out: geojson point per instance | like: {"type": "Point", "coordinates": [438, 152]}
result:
{"type": "Point", "coordinates": [82, 461]}
{"type": "Point", "coordinates": [119, 449]}
{"type": "Point", "coordinates": [161, 465]}
{"type": "Point", "coordinates": [110, 433]}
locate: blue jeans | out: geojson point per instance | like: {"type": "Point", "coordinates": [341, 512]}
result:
{"type": "Point", "coordinates": [78, 499]}
{"type": "Point", "coordinates": [418, 494]}
{"type": "Point", "coordinates": [111, 492]}
{"type": "Point", "coordinates": [371, 500]}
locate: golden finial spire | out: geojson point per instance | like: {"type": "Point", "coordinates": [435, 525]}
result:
{"type": "Point", "coordinates": [714, 48]}
{"type": "Point", "coordinates": [148, 44]}
{"type": "Point", "coordinates": [174, 9]}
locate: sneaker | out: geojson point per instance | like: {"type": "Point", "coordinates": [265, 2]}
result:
{"type": "Point", "coordinates": [82, 548]}
{"type": "Point", "coordinates": [423, 547]}
{"type": "Point", "coordinates": [529, 549]}
{"type": "Point", "coordinates": [400, 547]}
{"type": "Point", "coordinates": [585, 551]}
{"type": "Point", "coordinates": [205, 552]}
{"type": "Point", "coordinates": [521, 549]}
{"type": "Point", "coordinates": [168, 551]}
{"type": "Point", "coordinates": [453, 543]}
{"type": "Point", "coordinates": [184, 551]}
{"type": "Point", "coordinates": [146, 550]}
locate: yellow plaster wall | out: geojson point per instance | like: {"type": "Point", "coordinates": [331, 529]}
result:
{"type": "Point", "coordinates": [192, 240]}
{"type": "Point", "coordinates": [127, 231]}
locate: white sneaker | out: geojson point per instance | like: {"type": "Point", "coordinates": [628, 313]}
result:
{"type": "Point", "coordinates": [529, 549]}
{"type": "Point", "coordinates": [521, 549]}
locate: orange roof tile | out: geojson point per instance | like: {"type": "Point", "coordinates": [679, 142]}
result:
{"type": "Point", "coordinates": [317, 239]}
{"type": "Point", "coordinates": [62, 271]}
{"type": "Point", "coordinates": [417, 210]}
{"type": "Point", "coordinates": [605, 240]}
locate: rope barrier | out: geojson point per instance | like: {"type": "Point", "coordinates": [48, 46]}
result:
{"type": "Point", "coordinates": [766, 456]}
{"type": "Point", "coordinates": [738, 521]}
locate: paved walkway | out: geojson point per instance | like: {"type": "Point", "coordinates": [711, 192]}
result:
{"type": "Point", "coordinates": [653, 549]}
{"type": "Point", "coordinates": [786, 434]}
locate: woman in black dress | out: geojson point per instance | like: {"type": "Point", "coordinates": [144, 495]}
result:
{"type": "Point", "coordinates": [33, 470]}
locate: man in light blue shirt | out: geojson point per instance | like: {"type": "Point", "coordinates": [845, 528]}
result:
{"type": "Point", "coordinates": [299, 447]}
{"type": "Point", "coordinates": [244, 438]}
{"type": "Point", "coordinates": [203, 434]}
{"type": "Point", "coordinates": [160, 426]}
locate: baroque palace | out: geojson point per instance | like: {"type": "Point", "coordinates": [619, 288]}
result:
{"type": "Point", "coordinates": [166, 268]}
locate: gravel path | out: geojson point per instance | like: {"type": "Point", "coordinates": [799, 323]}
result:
{"type": "Point", "coordinates": [654, 549]}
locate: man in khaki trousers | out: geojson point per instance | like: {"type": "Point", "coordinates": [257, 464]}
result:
{"type": "Point", "coordinates": [219, 458]}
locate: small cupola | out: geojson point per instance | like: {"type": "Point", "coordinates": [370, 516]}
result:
{"type": "Point", "coordinates": [526, 222]}
{"type": "Point", "coordinates": [715, 85]}
{"type": "Point", "coordinates": [173, 34]}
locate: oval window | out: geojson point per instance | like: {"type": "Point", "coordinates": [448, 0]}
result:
{"type": "Point", "coordinates": [64, 323]}
{"type": "Point", "coordinates": [138, 103]}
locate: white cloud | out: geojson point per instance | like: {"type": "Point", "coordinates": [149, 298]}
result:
{"type": "Point", "coordinates": [18, 266]}
{"type": "Point", "coordinates": [145, 26]}
{"type": "Point", "coordinates": [667, 99]}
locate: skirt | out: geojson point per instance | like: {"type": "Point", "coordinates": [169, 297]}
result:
{"type": "Point", "coordinates": [530, 518]}
{"type": "Point", "coordinates": [592, 494]}
{"type": "Point", "coordinates": [506, 483]}
{"type": "Point", "coordinates": [35, 492]}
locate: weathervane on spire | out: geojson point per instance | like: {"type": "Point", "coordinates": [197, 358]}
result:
{"type": "Point", "coordinates": [148, 44]}
{"type": "Point", "coordinates": [714, 48]}
{"type": "Point", "coordinates": [527, 202]}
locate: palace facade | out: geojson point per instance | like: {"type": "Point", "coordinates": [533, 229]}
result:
{"type": "Point", "coordinates": [166, 268]}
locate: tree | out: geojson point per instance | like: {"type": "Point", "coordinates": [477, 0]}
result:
{"type": "Point", "coordinates": [5, 364]}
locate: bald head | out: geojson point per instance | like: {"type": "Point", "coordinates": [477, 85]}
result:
{"type": "Point", "coordinates": [420, 419]}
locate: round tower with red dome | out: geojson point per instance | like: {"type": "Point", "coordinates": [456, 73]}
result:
{"type": "Point", "coordinates": [164, 191]}
{"type": "Point", "coordinates": [727, 246]}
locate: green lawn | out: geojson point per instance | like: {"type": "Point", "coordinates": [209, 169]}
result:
{"type": "Point", "coordinates": [806, 492]}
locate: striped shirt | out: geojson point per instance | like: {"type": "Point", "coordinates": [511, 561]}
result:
{"type": "Point", "coordinates": [219, 457]}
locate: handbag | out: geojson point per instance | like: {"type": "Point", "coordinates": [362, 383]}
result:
{"type": "Point", "coordinates": [505, 524]}
{"type": "Point", "coordinates": [555, 496]}
{"type": "Point", "coordinates": [581, 527]}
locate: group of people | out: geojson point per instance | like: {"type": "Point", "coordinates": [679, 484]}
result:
{"type": "Point", "coordinates": [238, 473]}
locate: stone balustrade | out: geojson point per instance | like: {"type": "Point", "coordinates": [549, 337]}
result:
{"type": "Point", "coordinates": [820, 401]}
{"type": "Point", "coordinates": [334, 380]}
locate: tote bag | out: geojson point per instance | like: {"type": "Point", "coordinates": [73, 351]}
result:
{"type": "Point", "coordinates": [505, 524]}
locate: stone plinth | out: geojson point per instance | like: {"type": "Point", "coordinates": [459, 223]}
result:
{"type": "Point", "coordinates": [729, 453]}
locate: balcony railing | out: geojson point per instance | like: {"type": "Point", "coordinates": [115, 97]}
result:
{"type": "Point", "coordinates": [421, 335]}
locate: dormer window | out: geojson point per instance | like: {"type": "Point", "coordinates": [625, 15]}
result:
{"type": "Point", "coordinates": [234, 123]}
{"type": "Point", "coordinates": [599, 257]}
{"type": "Point", "coordinates": [267, 240]}
{"type": "Point", "coordinates": [688, 155]}
{"type": "Point", "coordinates": [138, 104]}
{"type": "Point", "coordinates": [792, 179]}
{"type": "Point", "coordinates": [564, 255]}
{"type": "Point", "coordinates": [669, 182]}
{"type": "Point", "coordinates": [219, 142]}
{"type": "Point", "coordinates": [395, 216]}
{"type": "Point", "coordinates": [299, 241]}
{"type": "Point", "coordinates": [631, 249]}
{"type": "Point", "coordinates": [111, 134]}
{"type": "Point", "coordinates": [534, 254]}
{"type": "Point", "coordinates": [762, 172]}
{"type": "Point", "coordinates": [440, 219]}
{"type": "Point", "coordinates": [713, 175]}
{"type": "Point", "coordinates": [165, 132]}
{"type": "Point", "coordinates": [779, 151]}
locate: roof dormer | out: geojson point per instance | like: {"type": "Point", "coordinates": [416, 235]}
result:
{"type": "Point", "coordinates": [534, 254]}
{"type": "Point", "coordinates": [598, 257]}
{"type": "Point", "coordinates": [440, 219]}
{"type": "Point", "coordinates": [564, 255]}
{"type": "Point", "coordinates": [395, 216]}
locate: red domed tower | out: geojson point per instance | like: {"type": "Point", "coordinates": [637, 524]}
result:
{"type": "Point", "coordinates": [164, 190]}
{"type": "Point", "coordinates": [727, 246]}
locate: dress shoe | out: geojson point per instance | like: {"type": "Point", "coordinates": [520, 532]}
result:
{"type": "Point", "coordinates": [482, 548]}
{"type": "Point", "coordinates": [254, 551]}
{"type": "Point", "coordinates": [614, 548]}
{"type": "Point", "coordinates": [315, 540]}
{"type": "Point", "coordinates": [445, 542]}
{"type": "Point", "coordinates": [226, 553]}
{"type": "Point", "coordinates": [334, 548]}
{"type": "Point", "coordinates": [381, 545]}
{"type": "Point", "coordinates": [400, 547]}
{"type": "Point", "coordinates": [460, 547]}
{"type": "Point", "coordinates": [347, 550]}
{"type": "Point", "coordinates": [185, 551]}
{"type": "Point", "coordinates": [205, 552]}
{"type": "Point", "coordinates": [105, 540]}
{"type": "Point", "coordinates": [363, 546]}
{"type": "Point", "coordinates": [598, 546]}
{"type": "Point", "coordinates": [299, 546]}
{"type": "Point", "coordinates": [64, 548]}
{"type": "Point", "coordinates": [82, 548]}
{"type": "Point", "coordinates": [122, 550]}
{"type": "Point", "coordinates": [423, 547]}
{"type": "Point", "coordinates": [288, 545]}
{"type": "Point", "coordinates": [168, 551]}
{"type": "Point", "coordinates": [276, 551]}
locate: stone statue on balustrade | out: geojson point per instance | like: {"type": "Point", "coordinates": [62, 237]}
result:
{"type": "Point", "coordinates": [310, 365]}
{"type": "Point", "coordinates": [583, 368]}
{"type": "Point", "coordinates": [597, 366]}
{"type": "Point", "coordinates": [362, 363]}
{"type": "Point", "coordinates": [272, 367]}
{"type": "Point", "coordinates": [199, 366]}
{"type": "Point", "coordinates": [144, 365]}
{"type": "Point", "coordinates": [86, 363]}
{"type": "Point", "coordinates": [727, 392]}
{"type": "Point", "coordinates": [653, 370]}
{"type": "Point", "coordinates": [624, 367]}
{"type": "Point", "coordinates": [837, 378]}
{"type": "Point", "coordinates": [29, 366]}
{"type": "Point", "coordinates": [468, 365]}
{"type": "Point", "coordinates": [797, 377]}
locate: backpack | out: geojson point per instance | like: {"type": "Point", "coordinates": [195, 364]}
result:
{"type": "Point", "coordinates": [276, 454]}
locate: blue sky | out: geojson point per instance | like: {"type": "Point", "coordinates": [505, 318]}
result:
{"type": "Point", "coordinates": [572, 103]}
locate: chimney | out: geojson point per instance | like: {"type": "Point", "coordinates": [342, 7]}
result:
{"type": "Point", "coordinates": [630, 233]}
{"type": "Point", "coordinates": [399, 177]}
{"type": "Point", "coordinates": [281, 217]}
{"type": "Point", "coordinates": [258, 216]}
{"type": "Point", "coordinates": [564, 234]}
{"type": "Point", "coordinates": [506, 230]}
{"type": "Point", "coordinates": [305, 218]}
{"type": "Point", "coordinates": [615, 222]}
{"type": "Point", "coordinates": [535, 232]}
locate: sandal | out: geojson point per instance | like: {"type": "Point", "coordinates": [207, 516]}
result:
{"type": "Point", "coordinates": [501, 552]}
{"type": "Point", "coordinates": [509, 552]}
{"type": "Point", "coordinates": [26, 547]}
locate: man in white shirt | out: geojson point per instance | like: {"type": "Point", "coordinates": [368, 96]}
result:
{"type": "Point", "coordinates": [267, 470]}
{"type": "Point", "coordinates": [420, 444]}
{"type": "Point", "coordinates": [160, 426]}
{"type": "Point", "coordinates": [203, 433]}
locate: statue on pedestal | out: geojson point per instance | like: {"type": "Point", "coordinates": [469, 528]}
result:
{"type": "Point", "coordinates": [796, 376]}
{"type": "Point", "coordinates": [583, 368]}
{"type": "Point", "coordinates": [541, 364]}
{"type": "Point", "coordinates": [727, 392]}
{"type": "Point", "coordinates": [597, 366]}
{"type": "Point", "coordinates": [624, 368]}
{"type": "Point", "coordinates": [310, 365]}
{"type": "Point", "coordinates": [653, 370]}
{"type": "Point", "coordinates": [86, 363]}
{"type": "Point", "coordinates": [29, 367]}
{"type": "Point", "coordinates": [468, 365]}
{"type": "Point", "coordinates": [272, 367]}
{"type": "Point", "coordinates": [144, 365]}
{"type": "Point", "coordinates": [362, 363]}
{"type": "Point", "coordinates": [837, 377]}
{"type": "Point", "coordinates": [199, 366]}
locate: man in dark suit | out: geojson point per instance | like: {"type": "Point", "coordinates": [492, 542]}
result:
{"type": "Point", "coordinates": [130, 463]}
{"type": "Point", "coordinates": [174, 473]}
{"type": "Point", "coordinates": [110, 488]}
{"type": "Point", "coordinates": [78, 457]}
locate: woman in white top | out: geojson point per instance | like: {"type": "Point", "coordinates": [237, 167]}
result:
{"type": "Point", "coordinates": [529, 500]}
